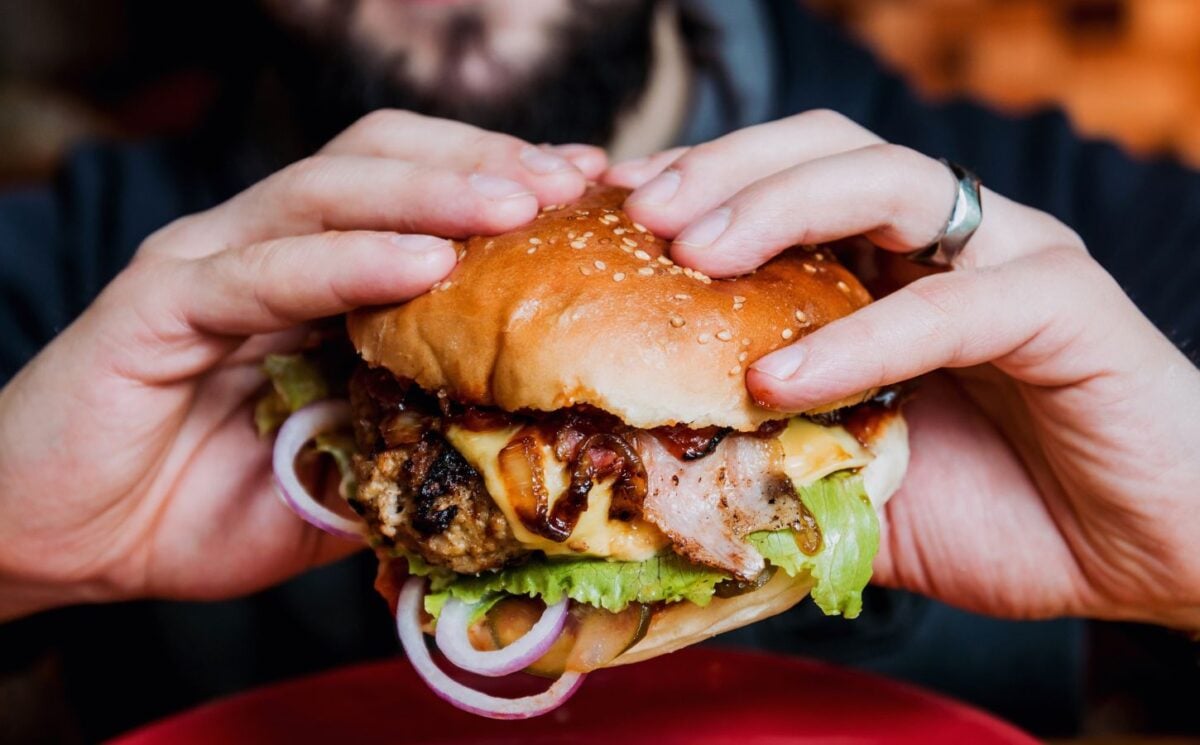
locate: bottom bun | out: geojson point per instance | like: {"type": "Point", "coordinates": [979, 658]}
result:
{"type": "Point", "coordinates": [682, 624]}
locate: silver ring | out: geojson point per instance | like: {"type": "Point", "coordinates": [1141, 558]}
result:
{"type": "Point", "coordinates": [964, 220]}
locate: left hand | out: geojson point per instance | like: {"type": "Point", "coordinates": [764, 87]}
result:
{"type": "Point", "coordinates": [1053, 471]}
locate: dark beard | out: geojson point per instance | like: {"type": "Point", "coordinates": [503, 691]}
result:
{"type": "Point", "coordinates": [584, 83]}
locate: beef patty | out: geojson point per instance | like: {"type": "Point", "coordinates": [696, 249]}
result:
{"type": "Point", "coordinates": [416, 491]}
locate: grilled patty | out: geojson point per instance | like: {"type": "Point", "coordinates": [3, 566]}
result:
{"type": "Point", "coordinates": [421, 495]}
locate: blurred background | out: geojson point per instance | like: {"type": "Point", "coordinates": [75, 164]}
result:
{"type": "Point", "coordinates": [1128, 70]}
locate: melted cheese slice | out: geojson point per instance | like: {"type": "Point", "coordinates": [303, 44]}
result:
{"type": "Point", "coordinates": [594, 533]}
{"type": "Point", "coordinates": [811, 452]}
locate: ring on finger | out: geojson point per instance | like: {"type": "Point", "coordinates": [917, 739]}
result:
{"type": "Point", "coordinates": [964, 220]}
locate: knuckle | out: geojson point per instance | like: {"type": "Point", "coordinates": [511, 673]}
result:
{"type": "Point", "coordinates": [304, 180]}
{"type": "Point", "coordinates": [384, 119]}
{"type": "Point", "coordinates": [939, 294]}
{"type": "Point", "coordinates": [699, 160]}
{"type": "Point", "coordinates": [896, 156]}
{"type": "Point", "coordinates": [826, 118]}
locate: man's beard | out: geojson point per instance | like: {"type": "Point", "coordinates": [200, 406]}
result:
{"type": "Point", "coordinates": [596, 67]}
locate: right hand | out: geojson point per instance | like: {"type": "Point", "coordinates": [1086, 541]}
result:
{"type": "Point", "coordinates": [129, 466]}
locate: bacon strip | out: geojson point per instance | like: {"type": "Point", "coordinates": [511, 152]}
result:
{"type": "Point", "coordinates": [708, 506]}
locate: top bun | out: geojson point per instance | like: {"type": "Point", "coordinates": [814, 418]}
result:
{"type": "Point", "coordinates": [581, 306]}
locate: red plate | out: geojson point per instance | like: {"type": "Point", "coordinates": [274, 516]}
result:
{"type": "Point", "coordinates": [696, 696]}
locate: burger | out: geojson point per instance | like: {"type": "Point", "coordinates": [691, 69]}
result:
{"type": "Point", "coordinates": [557, 462]}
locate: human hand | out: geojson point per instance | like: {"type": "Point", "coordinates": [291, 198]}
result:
{"type": "Point", "coordinates": [1053, 470]}
{"type": "Point", "coordinates": [129, 465]}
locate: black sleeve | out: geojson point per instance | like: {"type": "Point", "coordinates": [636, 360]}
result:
{"type": "Point", "coordinates": [61, 244]}
{"type": "Point", "coordinates": [1139, 218]}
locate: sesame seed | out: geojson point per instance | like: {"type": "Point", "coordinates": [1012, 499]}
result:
{"type": "Point", "coordinates": [618, 276]}
{"type": "Point", "coordinates": [787, 333]}
{"type": "Point", "coordinates": [819, 256]}
{"type": "Point", "coordinates": [619, 231]}
{"type": "Point", "coordinates": [609, 219]}
{"type": "Point", "coordinates": [588, 234]}
{"type": "Point", "coordinates": [489, 244]}
{"type": "Point", "coordinates": [571, 234]}
{"type": "Point", "coordinates": [535, 241]}
{"type": "Point", "coordinates": [725, 335]}
{"type": "Point", "coordinates": [735, 370]}
{"type": "Point", "coordinates": [646, 271]}
{"type": "Point", "coordinates": [800, 316]}
{"type": "Point", "coordinates": [582, 213]}
{"type": "Point", "coordinates": [665, 261]}
{"type": "Point", "coordinates": [630, 242]}
{"type": "Point", "coordinates": [675, 270]}
{"type": "Point", "coordinates": [810, 268]}
{"type": "Point", "coordinates": [739, 306]}
{"type": "Point", "coordinates": [578, 244]}
{"type": "Point", "coordinates": [549, 207]}
{"type": "Point", "coordinates": [745, 342]}
{"type": "Point", "coordinates": [642, 255]}
{"type": "Point", "coordinates": [683, 296]}
{"type": "Point", "coordinates": [599, 264]}
{"type": "Point", "coordinates": [701, 276]}
{"type": "Point", "coordinates": [584, 271]}
{"type": "Point", "coordinates": [689, 272]}
{"type": "Point", "coordinates": [843, 286]}
{"type": "Point", "coordinates": [739, 299]}
{"type": "Point", "coordinates": [677, 321]}
{"type": "Point", "coordinates": [531, 249]}
{"type": "Point", "coordinates": [639, 227]}
{"type": "Point", "coordinates": [743, 356]}
{"type": "Point", "coordinates": [704, 338]}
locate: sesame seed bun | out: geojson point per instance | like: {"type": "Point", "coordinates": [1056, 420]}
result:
{"type": "Point", "coordinates": [581, 306]}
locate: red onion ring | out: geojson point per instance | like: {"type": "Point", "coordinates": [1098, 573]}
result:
{"type": "Point", "coordinates": [408, 624]}
{"type": "Point", "coordinates": [299, 429]}
{"type": "Point", "coordinates": [453, 640]}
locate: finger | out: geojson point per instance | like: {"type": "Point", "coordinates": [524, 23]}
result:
{"type": "Point", "coordinates": [897, 197]}
{"type": "Point", "coordinates": [1037, 319]}
{"type": "Point", "coordinates": [709, 174]}
{"type": "Point", "coordinates": [254, 349]}
{"type": "Point", "coordinates": [631, 174]}
{"type": "Point", "coordinates": [360, 193]}
{"type": "Point", "coordinates": [590, 160]}
{"type": "Point", "coordinates": [552, 176]}
{"type": "Point", "coordinates": [271, 286]}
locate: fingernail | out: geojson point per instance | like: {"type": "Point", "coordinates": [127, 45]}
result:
{"type": "Point", "coordinates": [706, 230]}
{"type": "Point", "coordinates": [781, 365]}
{"type": "Point", "coordinates": [419, 243]}
{"type": "Point", "coordinates": [659, 190]}
{"type": "Point", "coordinates": [541, 162]}
{"type": "Point", "coordinates": [495, 187]}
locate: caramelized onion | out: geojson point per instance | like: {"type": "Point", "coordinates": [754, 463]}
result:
{"type": "Point", "coordinates": [689, 444]}
{"type": "Point", "coordinates": [403, 428]}
{"type": "Point", "coordinates": [520, 464]}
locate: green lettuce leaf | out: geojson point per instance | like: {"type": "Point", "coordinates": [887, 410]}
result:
{"type": "Point", "coordinates": [295, 383]}
{"type": "Point", "coordinates": [341, 447]}
{"type": "Point", "coordinates": [611, 585]}
{"type": "Point", "coordinates": [841, 567]}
